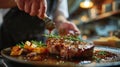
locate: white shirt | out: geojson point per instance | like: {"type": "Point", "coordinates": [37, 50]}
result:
{"type": "Point", "coordinates": [63, 7]}
{"type": "Point", "coordinates": [2, 14]}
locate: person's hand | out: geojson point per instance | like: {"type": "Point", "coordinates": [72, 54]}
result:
{"type": "Point", "coordinates": [33, 7]}
{"type": "Point", "coordinates": [66, 27]}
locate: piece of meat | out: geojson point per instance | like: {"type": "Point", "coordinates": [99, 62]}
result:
{"type": "Point", "coordinates": [54, 46]}
{"type": "Point", "coordinates": [73, 52]}
{"type": "Point", "coordinates": [69, 49]}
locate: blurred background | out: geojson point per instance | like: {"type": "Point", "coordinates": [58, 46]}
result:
{"type": "Point", "coordinates": [96, 17]}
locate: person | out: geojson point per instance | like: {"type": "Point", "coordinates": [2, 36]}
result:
{"type": "Point", "coordinates": [24, 20]}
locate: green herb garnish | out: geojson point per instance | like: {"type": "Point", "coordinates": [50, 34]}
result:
{"type": "Point", "coordinates": [38, 43]}
{"type": "Point", "coordinates": [72, 38]}
{"type": "Point", "coordinates": [52, 36]}
{"type": "Point", "coordinates": [101, 53]}
{"type": "Point", "coordinates": [97, 59]}
{"type": "Point", "coordinates": [21, 45]}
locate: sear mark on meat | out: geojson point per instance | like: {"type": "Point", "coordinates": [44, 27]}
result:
{"type": "Point", "coordinates": [69, 49]}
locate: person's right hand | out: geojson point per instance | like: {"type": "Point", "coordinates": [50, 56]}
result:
{"type": "Point", "coordinates": [33, 7]}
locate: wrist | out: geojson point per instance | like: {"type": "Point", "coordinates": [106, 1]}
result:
{"type": "Point", "coordinates": [59, 19]}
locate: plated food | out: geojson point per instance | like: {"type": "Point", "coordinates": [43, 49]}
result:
{"type": "Point", "coordinates": [59, 51]}
{"type": "Point", "coordinates": [63, 47]}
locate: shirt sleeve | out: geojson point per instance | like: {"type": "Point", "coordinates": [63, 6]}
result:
{"type": "Point", "coordinates": [63, 7]}
{"type": "Point", "coordinates": [3, 12]}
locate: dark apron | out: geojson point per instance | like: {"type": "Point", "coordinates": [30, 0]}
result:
{"type": "Point", "coordinates": [19, 26]}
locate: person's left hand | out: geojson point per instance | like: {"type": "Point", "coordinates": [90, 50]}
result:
{"type": "Point", "coordinates": [67, 27]}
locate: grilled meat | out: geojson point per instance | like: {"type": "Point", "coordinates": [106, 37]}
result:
{"type": "Point", "coordinates": [69, 49]}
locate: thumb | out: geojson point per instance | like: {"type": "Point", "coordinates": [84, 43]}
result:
{"type": "Point", "coordinates": [43, 8]}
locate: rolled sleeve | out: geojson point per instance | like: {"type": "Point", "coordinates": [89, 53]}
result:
{"type": "Point", "coordinates": [63, 7]}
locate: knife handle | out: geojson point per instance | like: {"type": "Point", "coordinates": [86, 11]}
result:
{"type": "Point", "coordinates": [49, 24]}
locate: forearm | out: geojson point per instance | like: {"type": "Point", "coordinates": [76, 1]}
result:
{"type": "Point", "coordinates": [59, 16]}
{"type": "Point", "coordinates": [61, 13]}
{"type": "Point", "coordinates": [7, 3]}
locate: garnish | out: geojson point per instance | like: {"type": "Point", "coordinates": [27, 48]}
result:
{"type": "Point", "coordinates": [21, 45]}
{"type": "Point", "coordinates": [96, 59]}
{"type": "Point", "coordinates": [101, 53]}
{"type": "Point", "coordinates": [29, 46]}
{"type": "Point", "coordinates": [52, 36]}
{"type": "Point", "coordinates": [72, 38]}
{"type": "Point", "coordinates": [38, 43]}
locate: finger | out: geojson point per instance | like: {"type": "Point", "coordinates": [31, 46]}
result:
{"type": "Point", "coordinates": [42, 10]}
{"type": "Point", "coordinates": [75, 29]}
{"type": "Point", "coordinates": [20, 4]}
{"type": "Point", "coordinates": [71, 32]}
{"type": "Point", "coordinates": [27, 6]}
{"type": "Point", "coordinates": [63, 31]}
{"type": "Point", "coordinates": [74, 32]}
{"type": "Point", "coordinates": [34, 8]}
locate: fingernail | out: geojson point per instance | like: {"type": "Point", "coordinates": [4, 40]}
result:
{"type": "Point", "coordinates": [71, 32]}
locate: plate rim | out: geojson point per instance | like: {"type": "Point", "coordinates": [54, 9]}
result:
{"type": "Point", "coordinates": [70, 64]}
